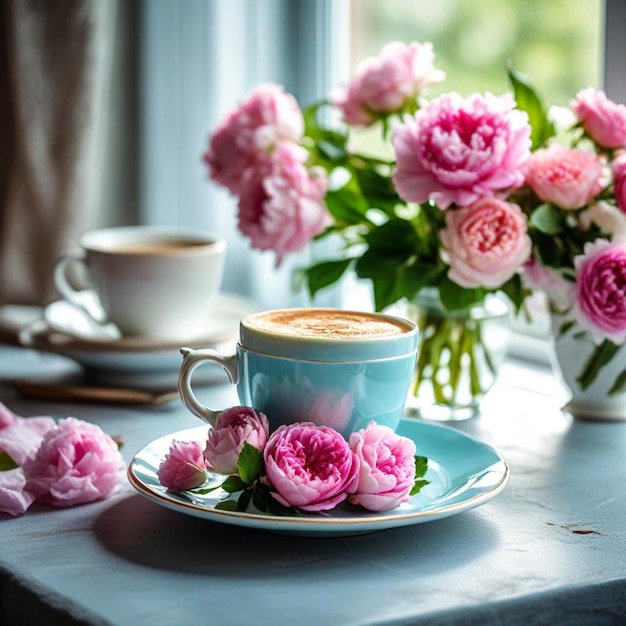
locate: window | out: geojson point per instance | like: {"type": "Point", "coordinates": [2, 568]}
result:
{"type": "Point", "coordinates": [200, 57]}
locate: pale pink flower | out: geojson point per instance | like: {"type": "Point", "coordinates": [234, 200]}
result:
{"type": "Point", "coordinates": [14, 499]}
{"type": "Point", "coordinates": [486, 243]}
{"type": "Point", "coordinates": [565, 177]}
{"type": "Point", "coordinates": [458, 150]}
{"type": "Point", "coordinates": [76, 463]}
{"type": "Point", "coordinates": [21, 436]}
{"type": "Point", "coordinates": [387, 467]}
{"type": "Point", "coordinates": [386, 83]}
{"type": "Point", "coordinates": [250, 132]}
{"type": "Point", "coordinates": [234, 427]}
{"type": "Point", "coordinates": [537, 277]}
{"type": "Point", "coordinates": [600, 298]}
{"type": "Point", "coordinates": [183, 466]}
{"type": "Point", "coordinates": [619, 181]}
{"type": "Point", "coordinates": [603, 120]}
{"type": "Point", "coordinates": [281, 206]}
{"type": "Point", "coordinates": [311, 467]}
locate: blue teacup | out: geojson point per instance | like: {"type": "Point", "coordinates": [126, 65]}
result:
{"type": "Point", "coordinates": [328, 366]}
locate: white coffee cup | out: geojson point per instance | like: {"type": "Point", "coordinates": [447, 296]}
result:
{"type": "Point", "coordinates": [151, 281]}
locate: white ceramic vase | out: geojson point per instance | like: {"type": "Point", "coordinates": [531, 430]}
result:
{"type": "Point", "coordinates": [570, 353]}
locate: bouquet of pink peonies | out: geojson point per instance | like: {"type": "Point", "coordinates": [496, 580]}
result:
{"type": "Point", "coordinates": [476, 195]}
{"type": "Point", "coordinates": [298, 467]}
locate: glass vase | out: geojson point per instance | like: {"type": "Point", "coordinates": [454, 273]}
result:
{"type": "Point", "coordinates": [458, 359]}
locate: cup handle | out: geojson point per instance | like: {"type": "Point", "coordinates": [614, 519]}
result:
{"type": "Point", "coordinates": [67, 291]}
{"type": "Point", "coordinates": [192, 359]}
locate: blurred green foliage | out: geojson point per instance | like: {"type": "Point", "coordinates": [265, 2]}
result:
{"type": "Point", "coordinates": [557, 43]}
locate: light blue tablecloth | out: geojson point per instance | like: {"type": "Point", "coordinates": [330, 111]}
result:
{"type": "Point", "coordinates": [551, 549]}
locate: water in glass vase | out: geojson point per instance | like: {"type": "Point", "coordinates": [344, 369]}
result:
{"type": "Point", "coordinates": [458, 359]}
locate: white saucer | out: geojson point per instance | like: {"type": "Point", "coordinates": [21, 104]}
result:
{"type": "Point", "coordinates": [139, 362]}
{"type": "Point", "coordinates": [464, 473]}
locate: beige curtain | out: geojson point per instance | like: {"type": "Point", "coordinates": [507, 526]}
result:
{"type": "Point", "coordinates": [64, 165]}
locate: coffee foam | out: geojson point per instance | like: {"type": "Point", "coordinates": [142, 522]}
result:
{"type": "Point", "coordinates": [327, 324]}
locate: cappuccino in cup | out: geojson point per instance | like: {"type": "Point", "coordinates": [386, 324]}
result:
{"type": "Point", "coordinates": [328, 366]}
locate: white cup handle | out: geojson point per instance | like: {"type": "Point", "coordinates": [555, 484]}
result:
{"type": "Point", "coordinates": [68, 292]}
{"type": "Point", "coordinates": [192, 359]}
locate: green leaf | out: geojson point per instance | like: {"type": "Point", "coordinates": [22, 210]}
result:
{"type": "Point", "coordinates": [378, 190]}
{"type": "Point", "coordinates": [325, 273]}
{"type": "Point", "coordinates": [619, 386]}
{"type": "Point", "coordinates": [265, 503]}
{"type": "Point", "coordinates": [6, 462]}
{"type": "Point", "coordinates": [347, 205]}
{"type": "Point", "coordinates": [250, 463]}
{"type": "Point", "coordinates": [547, 219]}
{"type": "Point", "coordinates": [226, 505]}
{"type": "Point", "coordinates": [601, 355]}
{"type": "Point", "coordinates": [244, 500]}
{"type": "Point", "coordinates": [421, 467]}
{"type": "Point", "coordinates": [233, 484]}
{"type": "Point", "coordinates": [457, 298]}
{"type": "Point", "coordinates": [565, 327]}
{"type": "Point", "coordinates": [395, 237]}
{"type": "Point", "coordinates": [528, 100]}
{"type": "Point", "coordinates": [515, 291]}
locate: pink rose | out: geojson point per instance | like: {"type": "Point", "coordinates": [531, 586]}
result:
{"type": "Point", "coordinates": [386, 83]}
{"type": "Point", "coordinates": [565, 177]}
{"type": "Point", "coordinates": [234, 427]}
{"type": "Point", "coordinates": [387, 467]}
{"type": "Point", "coordinates": [249, 133]}
{"type": "Point", "coordinates": [14, 499]}
{"type": "Point", "coordinates": [603, 120]}
{"type": "Point", "coordinates": [76, 463]}
{"type": "Point", "coordinates": [311, 467]}
{"type": "Point", "coordinates": [183, 467]}
{"type": "Point", "coordinates": [600, 297]}
{"type": "Point", "coordinates": [486, 243]}
{"type": "Point", "coordinates": [458, 150]}
{"type": "Point", "coordinates": [281, 207]}
{"type": "Point", "coordinates": [619, 181]}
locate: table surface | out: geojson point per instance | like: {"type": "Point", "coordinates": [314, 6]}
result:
{"type": "Point", "coordinates": [550, 549]}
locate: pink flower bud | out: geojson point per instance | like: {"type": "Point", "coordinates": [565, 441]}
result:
{"type": "Point", "coordinates": [603, 120]}
{"type": "Point", "coordinates": [311, 467]}
{"type": "Point", "coordinates": [234, 427]}
{"type": "Point", "coordinates": [387, 462]}
{"type": "Point", "coordinates": [183, 467]}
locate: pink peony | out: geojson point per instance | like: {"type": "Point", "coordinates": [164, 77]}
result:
{"type": "Point", "coordinates": [619, 178]}
{"type": "Point", "coordinates": [14, 499]}
{"type": "Point", "coordinates": [603, 120]}
{"type": "Point", "coordinates": [600, 297]}
{"type": "Point", "coordinates": [386, 83]}
{"type": "Point", "coordinates": [183, 467]}
{"type": "Point", "coordinates": [282, 206]}
{"type": "Point", "coordinates": [486, 243]}
{"type": "Point", "coordinates": [250, 132]}
{"type": "Point", "coordinates": [76, 463]}
{"type": "Point", "coordinates": [20, 436]}
{"type": "Point", "coordinates": [565, 177]}
{"type": "Point", "coordinates": [387, 467]}
{"type": "Point", "coordinates": [311, 467]}
{"type": "Point", "coordinates": [234, 427]}
{"type": "Point", "coordinates": [458, 150]}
